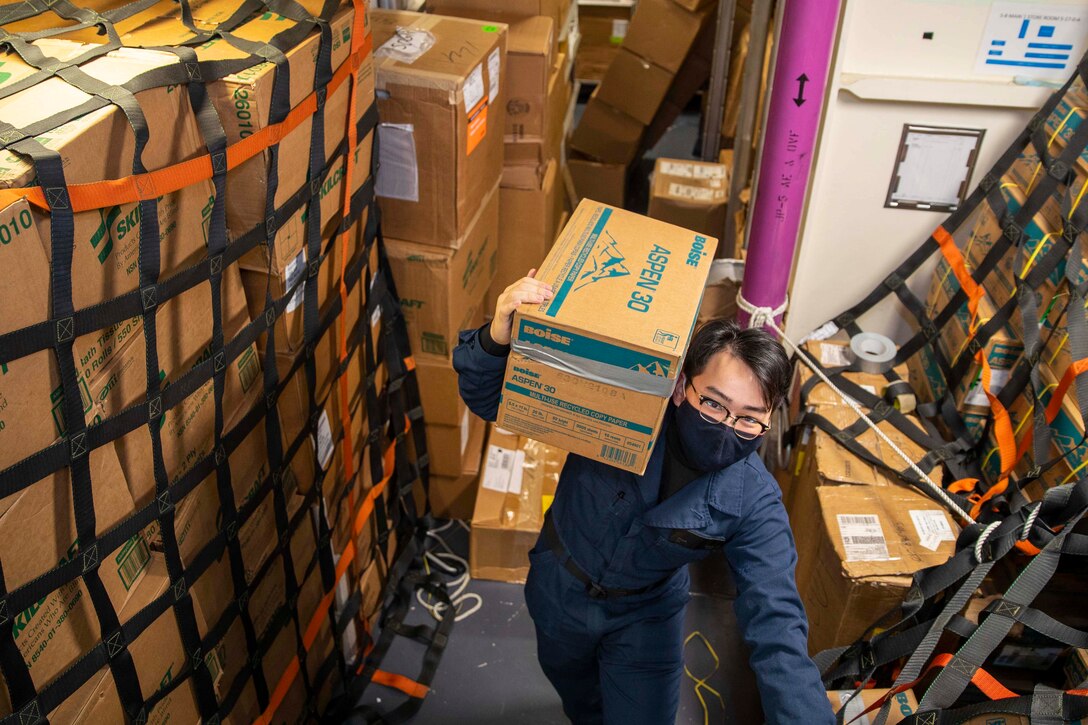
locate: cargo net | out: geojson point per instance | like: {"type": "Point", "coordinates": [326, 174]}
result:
{"type": "Point", "coordinates": [212, 462]}
{"type": "Point", "coordinates": [996, 368]}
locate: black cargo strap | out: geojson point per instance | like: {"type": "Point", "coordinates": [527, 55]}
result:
{"type": "Point", "coordinates": [594, 590]}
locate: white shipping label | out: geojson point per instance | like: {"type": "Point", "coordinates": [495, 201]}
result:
{"type": "Point", "coordinates": [494, 68]}
{"type": "Point", "coordinates": [834, 356]}
{"type": "Point", "coordinates": [406, 45]}
{"type": "Point", "coordinates": [619, 31]}
{"type": "Point", "coordinates": [687, 170]}
{"type": "Point", "coordinates": [295, 270]}
{"type": "Point", "coordinates": [324, 441]}
{"type": "Point", "coordinates": [398, 172]}
{"type": "Point", "coordinates": [695, 193]}
{"type": "Point", "coordinates": [515, 475]}
{"type": "Point", "coordinates": [474, 88]}
{"type": "Point", "coordinates": [977, 396]}
{"type": "Point", "coordinates": [500, 464]}
{"type": "Point", "coordinates": [862, 538]}
{"type": "Point", "coordinates": [932, 527]}
{"type": "Point", "coordinates": [854, 709]}
{"type": "Point", "coordinates": [465, 419]}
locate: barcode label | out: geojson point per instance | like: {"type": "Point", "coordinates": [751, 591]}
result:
{"type": "Point", "coordinates": [500, 464]}
{"type": "Point", "coordinates": [862, 538]}
{"type": "Point", "coordinates": [324, 441]}
{"type": "Point", "coordinates": [295, 268]}
{"type": "Point", "coordinates": [474, 88]}
{"type": "Point", "coordinates": [695, 193]}
{"type": "Point", "coordinates": [617, 455]}
{"type": "Point", "coordinates": [133, 560]}
{"type": "Point", "coordinates": [494, 66]}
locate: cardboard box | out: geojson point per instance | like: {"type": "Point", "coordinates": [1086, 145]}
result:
{"type": "Point", "coordinates": [694, 5]}
{"type": "Point", "coordinates": [602, 29]}
{"type": "Point", "coordinates": [448, 445]}
{"type": "Point", "coordinates": [691, 194]}
{"type": "Point", "coordinates": [535, 150]}
{"type": "Point", "coordinates": [606, 183]}
{"type": "Point", "coordinates": [441, 290]}
{"type": "Point", "coordinates": [530, 61]}
{"type": "Point", "coordinates": [244, 100]}
{"type": "Point", "coordinates": [605, 133]}
{"type": "Point", "coordinates": [37, 532]}
{"type": "Point", "coordinates": [186, 429]}
{"type": "Point", "coordinates": [442, 123]}
{"type": "Point", "coordinates": [868, 541]}
{"type": "Point", "coordinates": [105, 242]}
{"type": "Point", "coordinates": [664, 33]}
{"type": "Point", "coordinates": [903, 706]}
{"type": "Point", "coordinates": [454, 497]}
{"type": "Point", "coordinates": [556, 10]}
{"type": "Point", "coordinates": [627, 289]}
{"type": "Point", "coordinates": [438, 388]}
{"type": "Point", "coordinates": [528, 223]}
{"type": "Point", "coordinates": [720, 295]}
{"type": "Point", "coordinates": [1076, 669]}
{"type": "Point", "coordinates": [282, 275]}
{"type": "Point", "coordinates": [516, 487]}
{"type": "Point", "coordinates": [158, 655]}
{"type": "Point", "coordinates": [635, 86]}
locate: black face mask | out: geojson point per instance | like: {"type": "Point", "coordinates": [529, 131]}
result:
{"type": "Point", "coordinates": [709, 446]}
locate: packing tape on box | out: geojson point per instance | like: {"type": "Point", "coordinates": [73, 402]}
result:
{"type": "Point", "coordinates": [640, 382]}
{"type": "Point", "coordinates": [872, 353]}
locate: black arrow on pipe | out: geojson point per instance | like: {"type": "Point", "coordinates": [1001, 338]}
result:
{"type": "Point", "coordinates": [801, 81]}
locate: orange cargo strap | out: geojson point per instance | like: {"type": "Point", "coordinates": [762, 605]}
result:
{"type": "Point", "coordinates": [982, 679]}
{"type": "Point", "coordinates": [366, 508]}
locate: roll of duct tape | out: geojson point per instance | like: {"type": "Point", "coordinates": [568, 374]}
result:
{"type": "Point", "coordinates": [900, 394]}
{"type": "Point", "coordinates": [873, 353]}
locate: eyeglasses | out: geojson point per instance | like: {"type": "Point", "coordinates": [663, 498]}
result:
{"type": "Point", "coordinates": [746, 427]}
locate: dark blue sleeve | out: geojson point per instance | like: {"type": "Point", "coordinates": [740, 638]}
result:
{"type": "Point", "coordinates": [769, 610]}
{"type": "Point", "coordinates": [479, 373]}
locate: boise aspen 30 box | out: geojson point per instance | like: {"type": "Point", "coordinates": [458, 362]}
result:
{"type": "Point", "coordinates": [593, 367]}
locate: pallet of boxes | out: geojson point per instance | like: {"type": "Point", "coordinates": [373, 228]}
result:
{"type": "Point", "coordinates": [165, 566]}
{"type": "Point", "coordinates": [861, 533]}
{"type": "Point", "coordinates": [663, 60]}
{"type": "Point", "coordinates": [442, 104]}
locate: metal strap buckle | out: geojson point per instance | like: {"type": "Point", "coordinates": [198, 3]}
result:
{"type": "Point", "coordinates": [595, 591]}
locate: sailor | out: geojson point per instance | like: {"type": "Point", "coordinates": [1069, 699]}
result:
{"type": "Point", "coordinates": [608, 578]}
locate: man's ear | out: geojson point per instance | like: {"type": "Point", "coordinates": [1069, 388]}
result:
{"type": "Point", "coordinates": [678, 391]}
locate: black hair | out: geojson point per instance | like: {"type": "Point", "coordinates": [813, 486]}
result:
{"type": "Point", "coordinates": [755, 347]}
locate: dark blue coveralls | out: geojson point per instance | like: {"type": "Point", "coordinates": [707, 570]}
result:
{"type": "Point", "coordinates": [622, 657]}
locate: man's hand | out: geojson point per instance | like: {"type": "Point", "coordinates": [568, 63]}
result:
{"type": "Point", "coordinates": [525, 290]}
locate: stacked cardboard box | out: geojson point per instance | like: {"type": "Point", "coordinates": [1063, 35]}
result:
{"type": "Point", "coordinates": [516, 488]}
{"type": "Point", "coordinates": [539, 95]}
{"type": "Point", "coordinates": [663, 60]}
{"type": "Point", "coordinates": [444, 84]}
{"type": "Point", "coordinates": [603, 26]}
{"type": "Point", "coordinates": [904, 704]}
{"type": "Point", "coordinates": [37, 527]}
{"type": "Point", "coordinates": [860, 532]}
{"type": "Point", "coordinates": [690, 194]}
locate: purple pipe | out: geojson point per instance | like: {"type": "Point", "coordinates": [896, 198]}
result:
{"type": "Point", "coordinates": [793, 117]}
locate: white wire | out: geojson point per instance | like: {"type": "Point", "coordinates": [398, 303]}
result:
{"type": "Point", "coordinates": [456, 587]}
{"type": "Point", "coordinates": [766, 316]}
